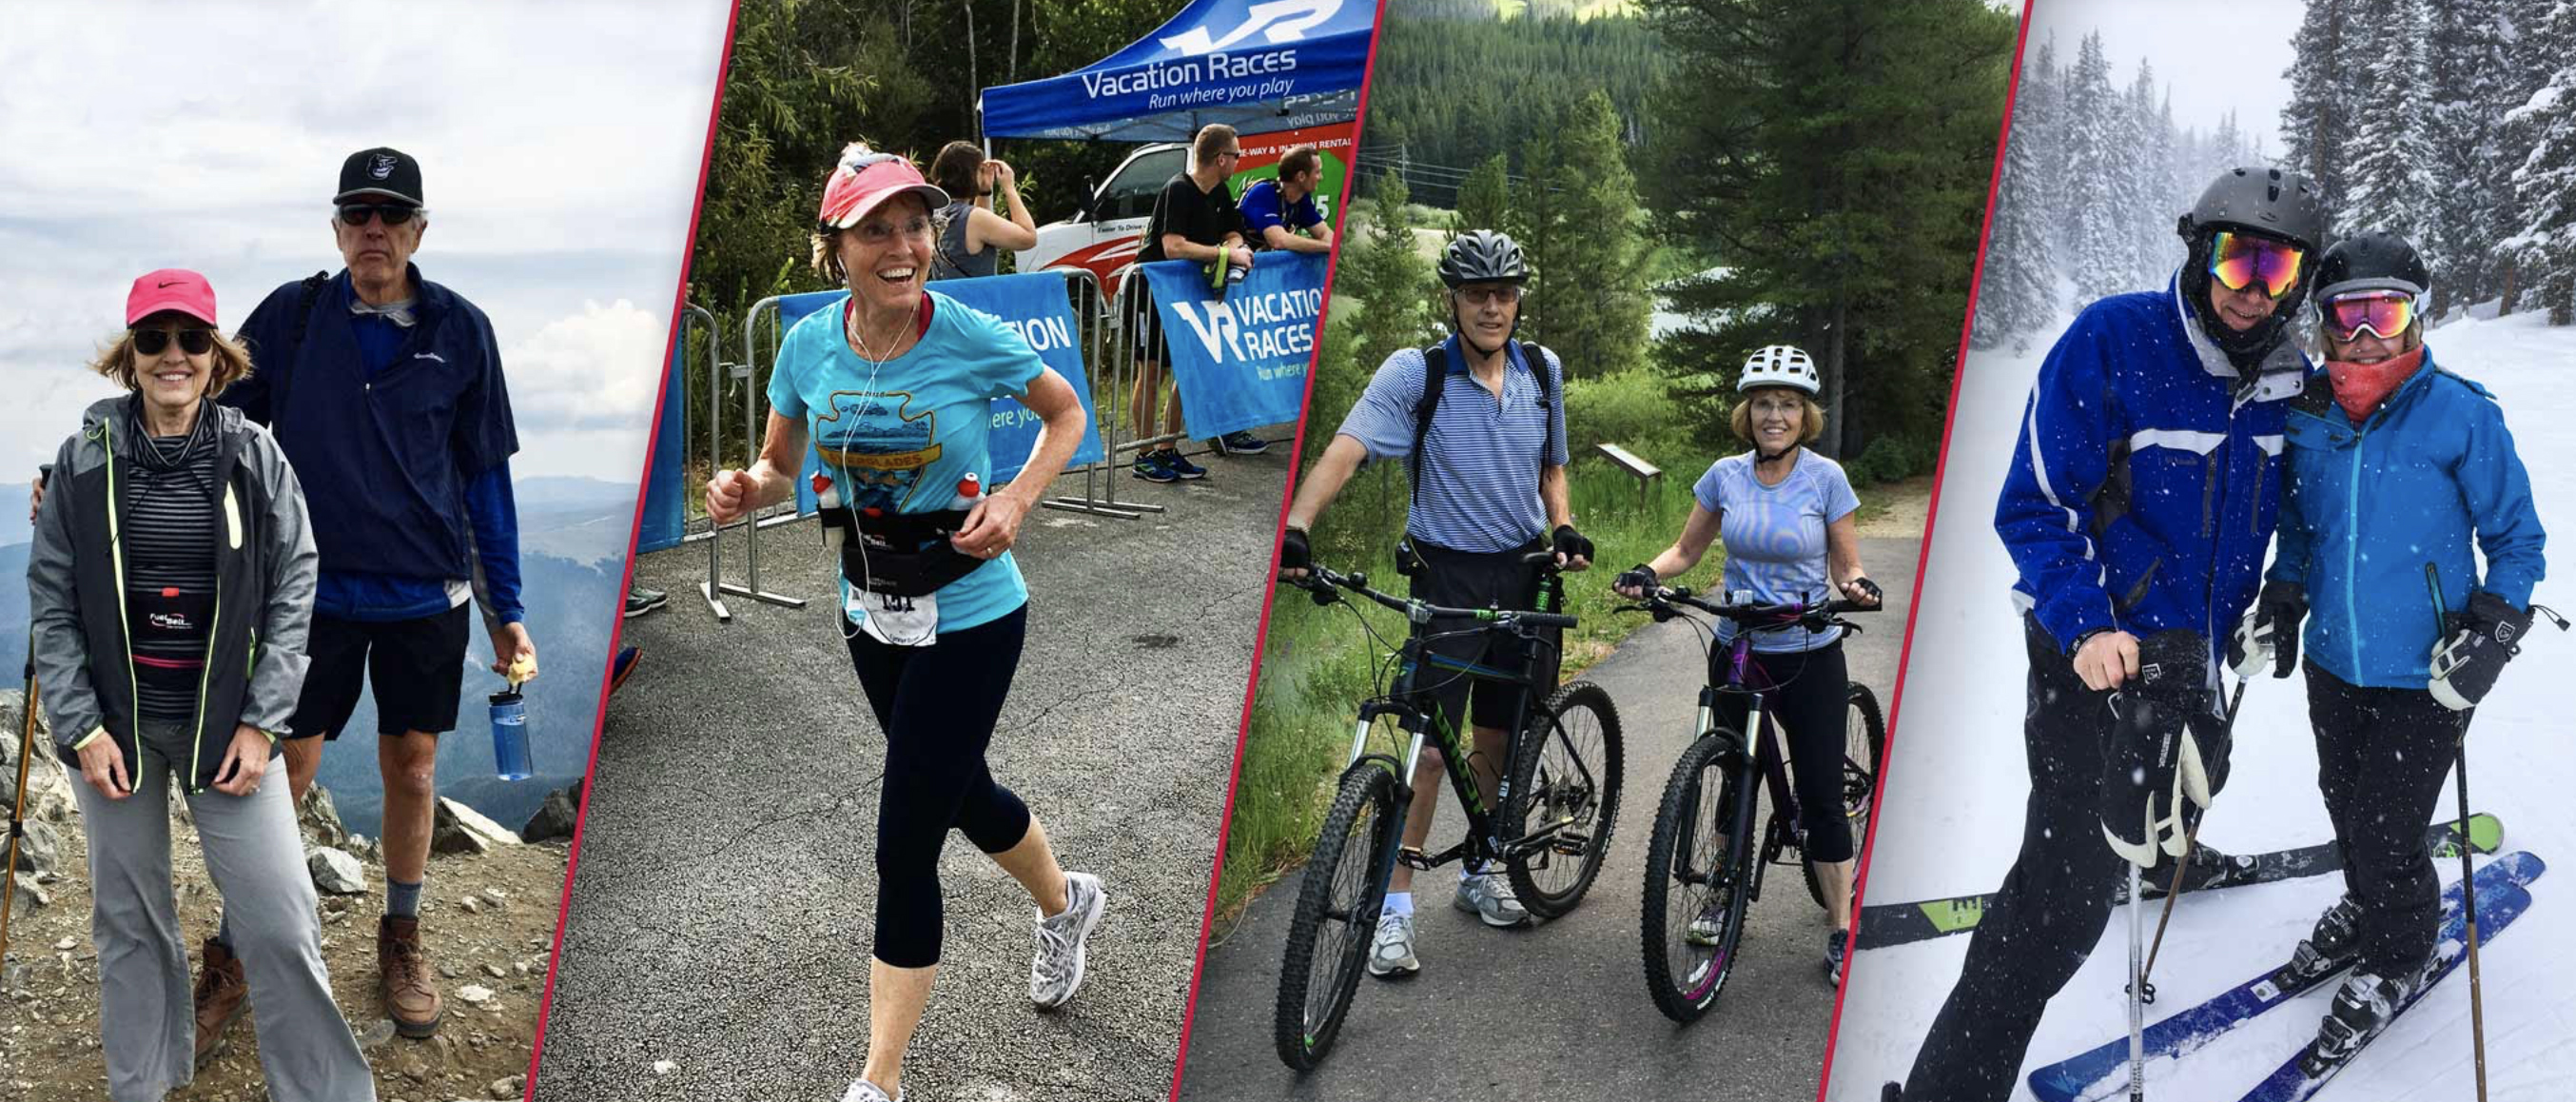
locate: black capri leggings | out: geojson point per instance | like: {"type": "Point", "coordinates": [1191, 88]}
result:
{"type": "Point", "coordinates": [938, 705]}
{"type": "Point", "coordinates": [1807, 698]}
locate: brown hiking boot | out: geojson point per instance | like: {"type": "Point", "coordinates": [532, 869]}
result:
{"type": "Point", "coordinates": [220, 996]}
{"type": "Point", "coordinates": [405, 979]}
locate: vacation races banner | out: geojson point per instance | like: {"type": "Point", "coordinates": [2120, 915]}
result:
{"type": "Point", "coordinates": [1239, 361]}
{"type": "Point", "coordinates": [1034, 305]}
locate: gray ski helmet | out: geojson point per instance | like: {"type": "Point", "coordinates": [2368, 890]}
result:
{"type": "Point", "coordinates": [2271, 202]}
{"type": "Point", "coordinates": [1482, 256]}
{"type": "Point", "coordinates": [2375, 260]}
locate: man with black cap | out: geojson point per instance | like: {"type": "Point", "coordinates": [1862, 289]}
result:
{"type": "Point", "coordinates": [2143, 493]}
{"type": "Point", "coordinates": [386, 392]}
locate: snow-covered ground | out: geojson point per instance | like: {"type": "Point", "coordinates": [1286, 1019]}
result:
{"type": "Point", "coordinates": [1951, 819]}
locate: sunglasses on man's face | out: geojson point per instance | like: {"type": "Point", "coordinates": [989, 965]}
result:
{"type": "Point", "coordinates": [195, 342]}
{"type": "Point", "coordinates": [394, 214]}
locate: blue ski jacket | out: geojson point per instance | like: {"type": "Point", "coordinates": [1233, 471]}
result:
{"type": "Point", "coordinates": [2145, 482]}
{"type": "Point", "coordinates": [2369, 505]}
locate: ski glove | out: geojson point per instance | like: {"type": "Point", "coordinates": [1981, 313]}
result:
{"type": "Point", "coordinates": [2269, 633]}
{"type": "Point", "coordinates": [1640, 577]}
{"type": "Point", "coordinates": [2479, 641]}
{"type": "Point", "coordinates": [2165, 753]}
{"type": "Point", "coordinates": [1293, 552]}
{"type": "Point", "coordinates": [1570, 543]}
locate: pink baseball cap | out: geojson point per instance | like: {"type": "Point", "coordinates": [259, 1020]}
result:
{"type": "Point", "coordinates": [864, 180]}
{"type": "Point", "coordinates": [171, 289]}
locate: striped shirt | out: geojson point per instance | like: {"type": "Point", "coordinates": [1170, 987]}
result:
{"type": "Point", "coordinates": [1775, 538]}
{"type": "Point", "coordinates": [1480, 463]}
{"type": "Point", "coordinates": [168, 531]}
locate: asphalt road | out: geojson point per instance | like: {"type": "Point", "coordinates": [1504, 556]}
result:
{"type": "Point", "coordinates": [718, 939]}
{"type": "Point", "coordinates": [1559, 1009]}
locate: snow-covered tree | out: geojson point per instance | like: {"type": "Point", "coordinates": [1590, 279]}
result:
{"type": "Point", "coordinates": [2099, 242]}
{"type": "Point", "coordinates": [2018, 291]}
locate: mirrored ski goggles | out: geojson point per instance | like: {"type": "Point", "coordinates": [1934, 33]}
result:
{"type": "Point", "coordinates": [2240, 260]}
{"type": "Point", "coordinates": [195, 342]}
{"type": "Point", "coordinates": [2386, 314]}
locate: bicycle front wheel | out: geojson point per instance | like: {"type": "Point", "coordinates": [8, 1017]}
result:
{"type": "Point", "coordinates": [1564, 799]}
{"type": "Point", "coordinates": [1699, 879]}
{"type": "Point", "coordinates": [1864, 748]}
{"type": "Point", "coordinates": [1337, 906]}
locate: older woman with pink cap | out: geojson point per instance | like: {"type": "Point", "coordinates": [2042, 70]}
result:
{"type": "Point", "coordinates": [171, 579]}
{"type": "Point", "coordinates": [893, 389]}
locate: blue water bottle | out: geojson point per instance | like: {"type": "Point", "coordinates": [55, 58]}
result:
{"type": "Point", "coordinates": [510, 736]}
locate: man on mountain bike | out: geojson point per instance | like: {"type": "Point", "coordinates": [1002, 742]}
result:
{"type": "Point", "coordinates": [1487, 450]}
{"type": "Point", "coordinates": [2141, 498]}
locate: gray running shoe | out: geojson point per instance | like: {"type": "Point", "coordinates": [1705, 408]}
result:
{"type": "Point", "coordinates": [1391, 954]}
{"type": "Point", "coordinates": [1489, 896]}
{"type": "Point", "coordinates": [863, 1091]}
{"type": "Point", "coordinates": [1705, 929]}
{"type": "Point", "coordinates": [1056, 972]}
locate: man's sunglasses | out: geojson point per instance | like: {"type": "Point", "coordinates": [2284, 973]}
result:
{"type": "Point", "coordinates": [195, 342]}
{"type": "Point", "coordinates": [394, 214]}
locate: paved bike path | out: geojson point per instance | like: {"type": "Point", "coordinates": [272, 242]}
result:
{"type": "Point", "coordinates": [1559, 1009]}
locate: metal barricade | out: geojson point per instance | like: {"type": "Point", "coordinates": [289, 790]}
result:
{"type": "Point", "coordinates": [1109, 351]}
{"type": "Point", "coordinates": [747, 374]}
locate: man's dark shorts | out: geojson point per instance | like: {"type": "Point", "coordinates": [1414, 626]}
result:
{"type": "Point", "coordinates": [1473, 579]}
{"type": "Point", "coordinates": [417, 667]}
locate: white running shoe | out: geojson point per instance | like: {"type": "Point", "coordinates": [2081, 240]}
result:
{"type": "Point", "coordinates": [1056, 972]}
{"type": "Point", "coordinates": [1391, 953]}
{"type": "Point", "coordinates": [863, 1091]}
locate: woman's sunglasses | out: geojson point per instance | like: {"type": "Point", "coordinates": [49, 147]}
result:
{"type": "Point", "coordinates": [394, 214]}
{"type": "Point", "coordinates": [2238, 261]}
{"type": "Point", "coordinates": [195, 342]}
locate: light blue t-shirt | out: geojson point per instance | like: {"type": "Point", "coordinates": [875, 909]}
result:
{"type": "Point", "coordinates": [1481, 459]}
{"type": "Point", "coordinates": [1775, 538]}
{"type": "Point", "coordinates": [903, 434]}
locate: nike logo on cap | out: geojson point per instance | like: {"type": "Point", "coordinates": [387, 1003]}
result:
{"type": "Point", "coordinates": [166, 283]}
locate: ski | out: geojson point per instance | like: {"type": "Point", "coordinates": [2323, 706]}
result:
{"type": "Point", "coordinates": [2097, 1071]}
{"type": "Point", "coordinates": [1886, 924]}
{"type": "Point", "coordinates": [2292, 1084]}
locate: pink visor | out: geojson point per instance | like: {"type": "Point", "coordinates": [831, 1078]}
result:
{"type": "Point", "coordinates": [864, 180]}
{"type": "Point", "coordinates": [171, 289]}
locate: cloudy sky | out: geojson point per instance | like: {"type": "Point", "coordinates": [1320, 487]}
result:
{"type": "Point", "coordinates": [559, 144]}
{"type": "Point", "coordinates": [2215, 54]}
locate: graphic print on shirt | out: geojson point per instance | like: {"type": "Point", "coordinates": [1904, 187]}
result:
{"type": "Point", "coordinates": [877, 445]}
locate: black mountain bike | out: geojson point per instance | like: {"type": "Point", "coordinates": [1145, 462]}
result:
{"type": "Point", "coordinates": [1702, 871]}
{"type": "Point", "coordinates": [1548, 824]}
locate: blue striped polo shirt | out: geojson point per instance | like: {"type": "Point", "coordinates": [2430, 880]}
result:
{"type": "Point", "coordinates": [1480, 465]}
{"type": "Point", "coordinates": [1775, 538]}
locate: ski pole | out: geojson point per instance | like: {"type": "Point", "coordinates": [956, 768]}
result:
{"type": "Point", "coordinates": [18, 806]}
{"type": "Point", "coordinates": [2460, 767]}
{"type": "Point", "coordinates": [2137, 1003]}
{"type": "Point", "coordinates": [2190, 844]}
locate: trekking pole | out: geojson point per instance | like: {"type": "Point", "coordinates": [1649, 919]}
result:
{"type": "Point", "coordinates": [2460, 766]}
{"type": "Point", "coordinates": [2190, 843]}
{"type": "Point", "coordinates": [18, 805]}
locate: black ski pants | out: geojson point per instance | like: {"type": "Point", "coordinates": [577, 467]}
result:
{"type": "Point", "coordinates": [2382, 755]}
{"type": "Point", "coordinates": [2053, 904]}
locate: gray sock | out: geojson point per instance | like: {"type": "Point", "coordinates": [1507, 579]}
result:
{"type": "Point", "coordinates": [402, 900]}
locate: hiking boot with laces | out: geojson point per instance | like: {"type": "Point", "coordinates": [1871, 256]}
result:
{"type": "Point", "coordinates": [220, 997]}
{"type": "Point", "coordinates": [405, 979]}
{"type": "Point", "coordinates": [1056, 972]}
{"type": "Point", "coordinates": [1391, 951]}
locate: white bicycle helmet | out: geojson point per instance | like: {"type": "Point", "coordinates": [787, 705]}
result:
{"type": "Point", "coordinates": [1780, 365]}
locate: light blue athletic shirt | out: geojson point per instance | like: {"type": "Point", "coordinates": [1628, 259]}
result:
{"type": "Point", "coordinates": [1775, 537]}
{"type": "Point", "coordinates": [1480, 464]}
{"type": "Point", "coordinates": [907, 439]}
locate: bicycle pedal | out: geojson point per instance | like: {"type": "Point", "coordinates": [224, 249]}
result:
{"type": "Point", "coordinates": [1413, 858]}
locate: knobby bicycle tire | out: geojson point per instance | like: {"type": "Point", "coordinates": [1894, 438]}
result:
{"type": "Point", "coordinates": [1861, 724]}
{"type": "Point", "coordinates": [1683, 977]}
{"type": "Point", "coordinates": [1336, 916]}
{"type": "Point", "coordinates": [1566, 789]}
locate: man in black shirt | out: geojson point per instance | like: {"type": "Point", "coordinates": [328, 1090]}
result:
{"type": "Point", "coordinates": [1194, 219]}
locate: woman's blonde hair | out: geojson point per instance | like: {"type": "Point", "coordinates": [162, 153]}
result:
{"type": "Point", "coordinates": [116, 362]}
{"type": "Point", "coordinates": [1812, 423]}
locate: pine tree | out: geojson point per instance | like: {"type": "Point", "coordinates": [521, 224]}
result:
{"type": "Point", "coordinates": [2384, 185]}
{"type": "Point", "coordinates": [1485, 199]}
{"type": "Point", "coordinates": [2016, 294]}
{"type": "Point", "coordinates": [1595, 290]}
{"type": "Point", "coordinates": [2040, 102]}
{"type": "Point", "coordinates": [2098, 247]}
{"type": "Point", "coordinates": [2318, 117]}
{"type": "Point", "coordinates": [2545, 185]}
{"type": "Point", "coordinates": [1392, 282]}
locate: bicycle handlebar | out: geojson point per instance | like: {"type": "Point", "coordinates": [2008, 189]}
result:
{"type": "Point", "coordinates": [1323, 582]}
{"type": "Point", "coordinates": [1770, 615]}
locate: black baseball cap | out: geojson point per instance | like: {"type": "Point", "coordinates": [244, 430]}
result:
{"type": "Point", "coordinates": [381, 171]}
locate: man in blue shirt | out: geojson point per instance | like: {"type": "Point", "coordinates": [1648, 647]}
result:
{"type": "Point", "coordinates": [385, 391]}
{"type": "Point", "coordinates": [1275, 211]}
{"type": "Point", "coordinates": [1489, 487]}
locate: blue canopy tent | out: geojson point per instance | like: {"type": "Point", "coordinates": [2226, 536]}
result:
{"type": "Point", "coordinates": [1257, 65]}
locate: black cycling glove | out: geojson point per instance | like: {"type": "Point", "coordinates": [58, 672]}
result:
{"type": "Point", "coordinates": [1570, 543]}
{"type": "Point", "coordinates": [1293, 552]}
{"type": "Point", "coordinates": [1640, 577]}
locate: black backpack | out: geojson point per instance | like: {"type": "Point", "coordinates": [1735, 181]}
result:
{"type": "Point", "coordinates": [1435, 372]}
{"type": "Point", "coordinates": [282, 373]}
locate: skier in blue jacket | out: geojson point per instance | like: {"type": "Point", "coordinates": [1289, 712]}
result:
{"type": "Point", "coordinates": [2393, 462]}
{"type": "Point", "coordinates": [2141, 497]}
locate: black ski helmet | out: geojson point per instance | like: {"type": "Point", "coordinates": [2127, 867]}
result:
{"type": "Point", "coordinates": [1483, 256]}
{"type": "Point", "coordinates": [2374, 260]}
{"type": "Point", "coordinates": [2272, 202]}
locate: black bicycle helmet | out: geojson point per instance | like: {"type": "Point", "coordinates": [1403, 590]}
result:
{"type": "Point", "coordinates": [2375, 260]}
{"type": "Point", "coordinates": [2273, 202]}
{"type": "Point", "coordinates": [1483, 256]}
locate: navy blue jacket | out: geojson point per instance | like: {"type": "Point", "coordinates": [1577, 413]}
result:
{"type": "Point", "coordinates": [386, 459]}
{"type": "Point", "coordinates": [2432, 469]}
{"type": "Point", "coordinates": [2145, 480]}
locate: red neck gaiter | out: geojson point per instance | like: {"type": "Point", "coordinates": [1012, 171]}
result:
{"type": "Point", "coordinates": [2359, 388]}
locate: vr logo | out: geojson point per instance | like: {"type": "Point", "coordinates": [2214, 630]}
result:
{"type": "Point", "coordinates": [1213, 324]}
{"type": "Point", "coordinates": [1276, 21]}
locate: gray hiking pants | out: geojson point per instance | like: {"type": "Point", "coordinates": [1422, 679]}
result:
{"type": "Point", "coordinates": [257, 861]}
